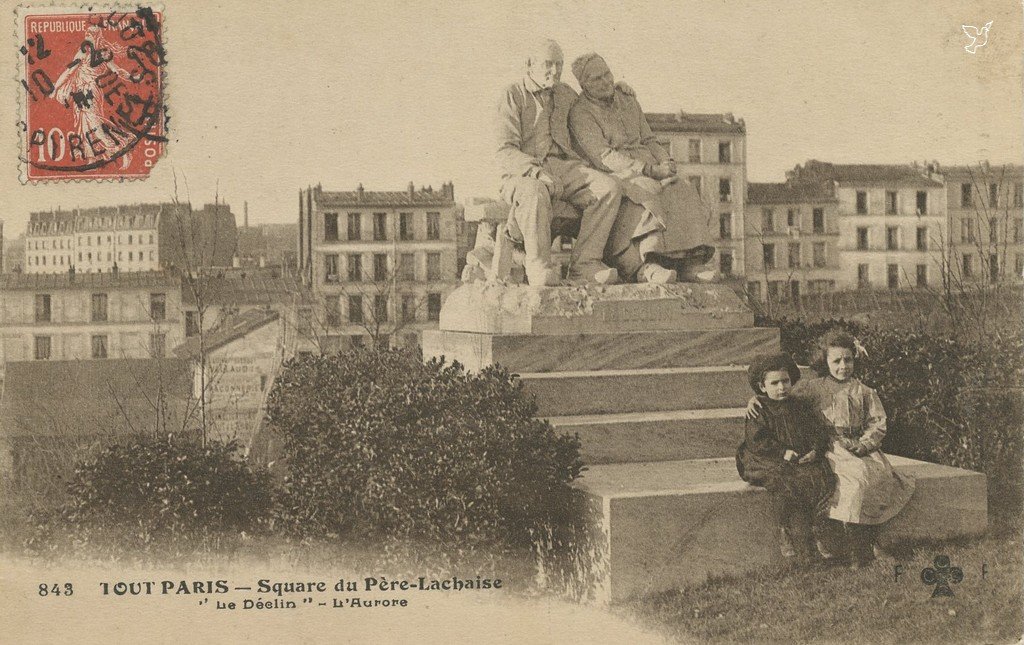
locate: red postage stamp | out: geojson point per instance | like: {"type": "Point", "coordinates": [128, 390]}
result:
{"type": "Point", "coordinates": [92, 93]}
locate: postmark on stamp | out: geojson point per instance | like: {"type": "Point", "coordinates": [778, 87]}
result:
{"type": "Point", "coordinates": [92, 92]}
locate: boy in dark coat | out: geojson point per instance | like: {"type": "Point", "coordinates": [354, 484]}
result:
{"type": "Point", "coordinates": [784, 451]}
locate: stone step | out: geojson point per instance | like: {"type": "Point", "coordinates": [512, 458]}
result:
{"type": "Point", "coordinates": [655, 436]}
{"type": "Point", "coordinates": [674, 524]}
{"type": "Point", "coordinates": [596, 351]}
{"type": "Point", "coordinates": [637, 390]}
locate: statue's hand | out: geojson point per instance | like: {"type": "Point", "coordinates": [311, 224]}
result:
{"type": "Point", "coordinates": [625, 88]}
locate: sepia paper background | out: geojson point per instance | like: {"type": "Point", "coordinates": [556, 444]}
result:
{"type": "Point", "coordinates": [267, 99]}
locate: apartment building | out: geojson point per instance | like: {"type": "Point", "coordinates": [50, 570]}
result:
{"type": "Point", "coordinates": [892, 222]}
{"type": "Point", "coordinates": [711, 153]}
{"type": "Point", "coordinates": [379, 263]}
{"type": "Point", "coordinates": [138, 237]}
{"type": "Point", "coordinates": [72, 316]}
{"type": "Point", "coordinates": [986, 212]}
{"type": "Point", "coordinates": [791, 240]}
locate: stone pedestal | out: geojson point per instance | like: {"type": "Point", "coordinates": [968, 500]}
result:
{"type": "Point", "coordinates": [653, 379]}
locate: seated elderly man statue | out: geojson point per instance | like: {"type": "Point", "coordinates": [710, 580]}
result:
{"type": "Point", "coordinates": [538, 165]}
{"type": "Point", "coordinates": [663, 228]}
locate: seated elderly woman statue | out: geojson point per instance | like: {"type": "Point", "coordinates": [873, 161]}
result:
{"type": "Point", "coordinates": [662, 231]}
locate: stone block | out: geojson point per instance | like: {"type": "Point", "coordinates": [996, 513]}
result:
{"type": "Point", "coordinates": [673, 524]}
{"type": "Point", "coordinates": [499, 308]}
{"type": "Point", "coordinates": [595, 351]}
{"type": "Point", "coordinates": [641, 390]}
{"type": "Point", "coordinates": [655, 436]}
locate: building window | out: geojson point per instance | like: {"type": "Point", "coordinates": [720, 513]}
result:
{"type": "Point", "coordinates": [993, 195]}
{"type": "Point", "coordinates": [993, 267]}
{"type": "Point", "coordinates": [42, 348]}
{"type": "Point", "coordinates": [1018, 195]}
{"type": "Point", "coordinates": [794, 291]}
{"type": "Point", "coordinates": [304, 325]}
{"type": "Point", "coordinates": [922, 238]}
{"type": "Point", "coordinates": [892, 275]}
{"type": "Point", "coordinates": [695, 181]}
{"type": "Point", "coordinates": [754, 290]}
{"type": "Point", "coordinates": [967, 262]}
{"type": "Point", "coordinates": [332, 310]}
{"type": "Point", "coordinates": [380, 267]}
{"type": "Point", "coordinates": [724, 190]}
{"type": "Point", "coordinates": [433, 306]}
{"type": "Point", "coordinates": [774, 290]}
{"type": "Point", "coordinates": [862, 238]}
{"type": "Point", "coordinates": [158, 306]}
{"type": "Point", "coordinates": [890, 202]}
{"type": "Point", "coordinates": [380, 308]}
{"type": "Point", "coordinates": [355, 309]}
{"type": "Point", "coordinates": [767, 221]}
{"type": "Point", "coordinates": [330, 227]}
{"type": "Point", "coordinates": [725, 226]}
{"type": "Point", "coordinates": [331, 267]}
{"type": "Point", "coordinates": [862, 202]}
{"type": "Point", "coordinates": [693, 150]}
{"type": "Point", "coordinates": [1020, 265]}
{"type": "Point", "coordinates": [794, 255]}
{"type": "Point", "coordinates": [408, 308]}
{"type": "Point", "coordinates": [407, 267]}
{"type": "Point", "coordinates": [43, 312]}
{"type": "Point", "coordinates": [99, 346]}
{"type": "Point", "coordinates": [129, 240]}
{"type": "Point", "coordinates": [965, 195]}
{"type": "Point", "coordinates": [1016, 229]}
{"type": "Point", "coordinates": [967, 230]}
{"type": "Point", "coordinates": [99, 307]}
{"type": "Point", "coordinates": [354, 227]}
{"type": "Point", "coordinates": [818, 220]}
{"type": "Point", "coordinates": [433, 267]}
{"type": "Point", "coordinates": [892, 238]}
{"type": "Point", "coordinates": [724, 152]}
{"type": "Point", "coordinates": [768, 255]}
{"type": "Point", "coordinates": [793, 217]}
{"type": "Point", "coordinates": [922, 275]}
{"type": "Point", "coordinates": [355, 268]}
{"type": "Point", "coordinates": [433, 226]}
{"type": "Point", "coordinates": [922, 202]}
{"type": "Point", "coordinates": [157, 345]}
{"type": "Point", "coordinates": [191, 323]}
{"type": "Point", "coordinates": [725, 263]}
{"type": "Point", "coordinates": [819, 254]}
{"type": "Point", "coordinates": [380, 227]}
{"type": "Point", "coordinates": [863, 277]}
{"type": "Point", "coordinates": [405, 227]}
{"type": "Point", "coordinates": [993, 230]}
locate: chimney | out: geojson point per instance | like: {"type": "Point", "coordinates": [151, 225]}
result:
{"type": "Point", "coordinates": [245, 214]}
{"type": "Point", "coordinates": [71, 273]}
{"type": "Point", "coordinates": [412, 190]}
{"type": "Point", "coordinates": [359, 192]}
{"type": "Point", "coordinates": [449, 190]}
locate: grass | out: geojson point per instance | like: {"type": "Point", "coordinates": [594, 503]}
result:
{"type": "Point", "coordinates": [871, 605]}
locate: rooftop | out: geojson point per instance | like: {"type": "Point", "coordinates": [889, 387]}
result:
{"type": "Point", "coordinates": [94, 397]}
{"type": "Point", "coordinates": [983, 169]}
{"type": "Point", "coordinates": [245, 288]}
{"type": "Point", "coordinates": [686, 122]}
{"type": "Point", "coordinates": [864, 173]}
{"type": "Point", "coordinates": [126, 217]}
{"type": "Point", "coordinates": [67, 280]}
{"type": "Point", "coordinates": [411, 197]}
{"type": "Point", "coordinates": [229, 330]}
{"type": "Point", "coordinates": [789, 193]}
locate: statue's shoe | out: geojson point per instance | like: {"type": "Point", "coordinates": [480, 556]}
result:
{"type": "Point", "coordinates": [656, 274]}
{"type": "Point", "coordinates": [593, 273]}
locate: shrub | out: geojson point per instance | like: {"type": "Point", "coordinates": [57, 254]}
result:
{"type": "Point", "coordinates": [155, 490]}
{"type": "Point", "coordinates": [948, 401]}
{"type": "Point", "coordinates": [380, 446]}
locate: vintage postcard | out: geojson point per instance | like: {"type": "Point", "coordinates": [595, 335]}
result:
{"type": "Point", "coordinates": [535, 322]}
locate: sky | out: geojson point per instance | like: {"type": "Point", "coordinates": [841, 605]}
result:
{"type": "Point", "coordinates": [267, 100]}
